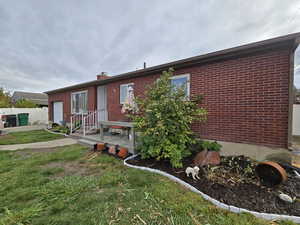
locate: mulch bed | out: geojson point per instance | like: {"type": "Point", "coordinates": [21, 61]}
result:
{"type": "Point", "coordinates": [233, 182]}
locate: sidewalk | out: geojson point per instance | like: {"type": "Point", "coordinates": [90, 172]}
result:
{"type": "Point", "coordinates": [45, 144]}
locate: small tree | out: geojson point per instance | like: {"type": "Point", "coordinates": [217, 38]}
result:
{"type": "Point", "coordinates": [164, 119]}
{"type": "Point", "coordinates": [24, 103]}
{"type": "Point", "coordinates": [5, 99]}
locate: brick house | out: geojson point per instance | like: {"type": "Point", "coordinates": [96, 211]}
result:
{"type": "Point", "coordinates": [248, 92]}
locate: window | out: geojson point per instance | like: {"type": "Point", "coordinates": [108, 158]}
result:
{"type": "Point", "coordinates": [182, 81]}
{"type": "Point", "coordinates": [79, 102]}
{"type": "Point", "coordinates": [124, 92]}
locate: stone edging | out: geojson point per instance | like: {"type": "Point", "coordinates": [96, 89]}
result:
{"type": "Point", "coordinates": [52, 132]}
{"type": "Point", "coordinates": [266, 216]}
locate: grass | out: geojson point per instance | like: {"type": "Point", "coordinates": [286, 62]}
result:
{"type": "Point", "coordinates": [24, 137]}
{"type": "Point", "coordinates": [32, 192]}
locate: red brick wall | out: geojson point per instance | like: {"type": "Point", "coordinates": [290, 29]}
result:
{"type": "Point", "coordinates": [65, 97]}
{"type": "Point", "coordinates": [246, 98]}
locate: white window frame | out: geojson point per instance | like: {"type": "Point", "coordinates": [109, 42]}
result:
{"type": "Point", "coordinates": [87, 100]}
{"type": "Point", "coordinates": [187, 75]}
{"type": "Point", "coordinates": [124, 85]}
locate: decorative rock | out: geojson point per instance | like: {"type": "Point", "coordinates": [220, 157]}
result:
{"type": "Point", "coordinates": [297, 174]}
{"type": "Point", "coordinates": [286, 198]}
{"type": "Point", "coordinates": [207, 158]}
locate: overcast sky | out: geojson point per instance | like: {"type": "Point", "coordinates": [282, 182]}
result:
{"type": "Point", "coordinates": [45, 45]}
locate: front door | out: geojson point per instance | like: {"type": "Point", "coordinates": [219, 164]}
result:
{"type": "Point", "coordinates": [102, 103]}
{"type": "Point", "coordinates": [57, 112]}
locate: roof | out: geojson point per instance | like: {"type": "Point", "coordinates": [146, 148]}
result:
{"type": "Point", "coordinates": [287, 40]}
{"type": "Point", "coordinates": [37, 98]}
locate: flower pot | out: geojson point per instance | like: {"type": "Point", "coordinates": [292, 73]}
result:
{"type": "Point", "coordinates": [270, 173]}
{"type": "Point", "coordinates": [112, 150]}
{"type": "Point", "coordinates": [123, 152]}
{"type": "Point", "coordinates": [101, 146]}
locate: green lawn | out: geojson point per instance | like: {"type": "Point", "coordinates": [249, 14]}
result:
{"type": "Point", "coordinates": [24, 137]}
{"type": "Point", "coordinates": [63, 187]}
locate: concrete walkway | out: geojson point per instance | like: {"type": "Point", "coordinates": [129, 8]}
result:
{"type": "Point", "coordinates": [45, 144]}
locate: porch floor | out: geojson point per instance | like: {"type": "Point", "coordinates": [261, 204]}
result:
{"type": "Point", "coordinates": [111, 139]}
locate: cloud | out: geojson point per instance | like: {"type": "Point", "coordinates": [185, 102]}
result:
{"type": "Point", "coordinates": [45, 45]}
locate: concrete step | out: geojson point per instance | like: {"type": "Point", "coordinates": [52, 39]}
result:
{"type": "Point", "coordinates": [87, 142]}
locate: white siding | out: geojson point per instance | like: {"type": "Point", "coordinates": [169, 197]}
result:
{"type": "Point", "coordinates": [36, 115]}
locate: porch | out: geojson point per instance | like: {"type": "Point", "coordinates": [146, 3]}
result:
{"type": "Point", "coordinates": [111, 132]}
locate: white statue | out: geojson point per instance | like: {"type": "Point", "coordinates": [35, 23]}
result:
{"type": "Point", "coordinates": [194, 171]}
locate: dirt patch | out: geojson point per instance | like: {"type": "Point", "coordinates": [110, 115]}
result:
{"type": "Point", "coordinates": [26, 153]}
{"type": "Point", "coordinates": [7, 137]}
{"type": "Point", "coordinates": [72, 168]}
{"type": "Point", "coordinates": [233, 182]}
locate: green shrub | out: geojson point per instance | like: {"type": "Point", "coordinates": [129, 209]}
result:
{"type": "Point", "coordinates": [211, 146]}
{"type": "Point", "coordinates": [215, 146]}
{"type": "Point", "coordinates": [5, 99]}
{"type": "Point", "coordinates": [164, 120]}
{"type": "Point", "coordinates": [24, 103]}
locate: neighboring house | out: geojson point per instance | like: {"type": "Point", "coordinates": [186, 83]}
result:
{"type": "Point", "coordinates": [248, 92]}
{"type": "Point", "coordinates": [39, 99]}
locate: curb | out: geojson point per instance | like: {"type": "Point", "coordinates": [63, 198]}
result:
{"type": "Point", "coordinates": [66, 135]}
{"type": "Point", "coordinates": [266, 216]}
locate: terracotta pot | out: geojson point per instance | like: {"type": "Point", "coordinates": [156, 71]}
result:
{"type": "Point", "coordinates": [101, 146]}
{"type": "Point", "coordinates": [270, 173]}
{"type": "Point", "coordinates": [112, 150]}
{"type": "Point", "coordinates": [123, 152]}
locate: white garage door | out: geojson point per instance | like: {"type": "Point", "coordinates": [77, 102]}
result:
{"type": "Point", "coordinates": [57, 112]}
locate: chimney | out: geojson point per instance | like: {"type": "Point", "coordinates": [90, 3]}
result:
{"type": "Point", "coordinates": [102, 76]}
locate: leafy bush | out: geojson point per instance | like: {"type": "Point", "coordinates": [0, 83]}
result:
{"type": "Point", "coordinates": [211, 146]}
{"type": "Point", "coordinates": [164, 121]}
{"type": "Point", "coordinates": [60, 129]}
{"type": "Point", "coordinates": [215, 146]}
{"type": "Point", "coordinates": [5, 99]}
{"type": "Point", "coordinates": [24, 103]}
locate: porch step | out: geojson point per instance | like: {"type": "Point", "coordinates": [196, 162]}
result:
{"type": "Point", "coordinates": [87, 142]}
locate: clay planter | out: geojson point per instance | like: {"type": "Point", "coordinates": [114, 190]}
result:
{"type": "Point", "coordinates": [112, 150]}
{"type": "Point", "coordinates": [207, 158]}
{"type": "Point", "coordinates": [123, 152]}
{"type": "Point", "coordinates": [270, 173]}
{"type": "Point", "coordinates": [101, 146]}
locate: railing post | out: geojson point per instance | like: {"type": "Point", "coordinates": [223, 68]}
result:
{"type": "Point", "coordinates": [83, 125]}
{"type": "Point", "coordinates": [132, 133]}
{"type": "Point", "coordinates": [101, 132]}
{"type": "Point", "coordinates": [71, 121]}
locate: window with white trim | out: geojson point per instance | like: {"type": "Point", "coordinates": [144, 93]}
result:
{"type": "Point", "coordinates": [124, 92]}
{"type": "Point", "coordinates": [79, 101]}
{"type": "Point", "coordinates": [182, 81]}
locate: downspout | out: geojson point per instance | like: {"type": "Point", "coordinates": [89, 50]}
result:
{"type": "Point", "coordinates": [291, 94]}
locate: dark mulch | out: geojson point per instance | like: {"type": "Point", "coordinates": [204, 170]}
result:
{"type": "Point", "coordinates": [233, 182]}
